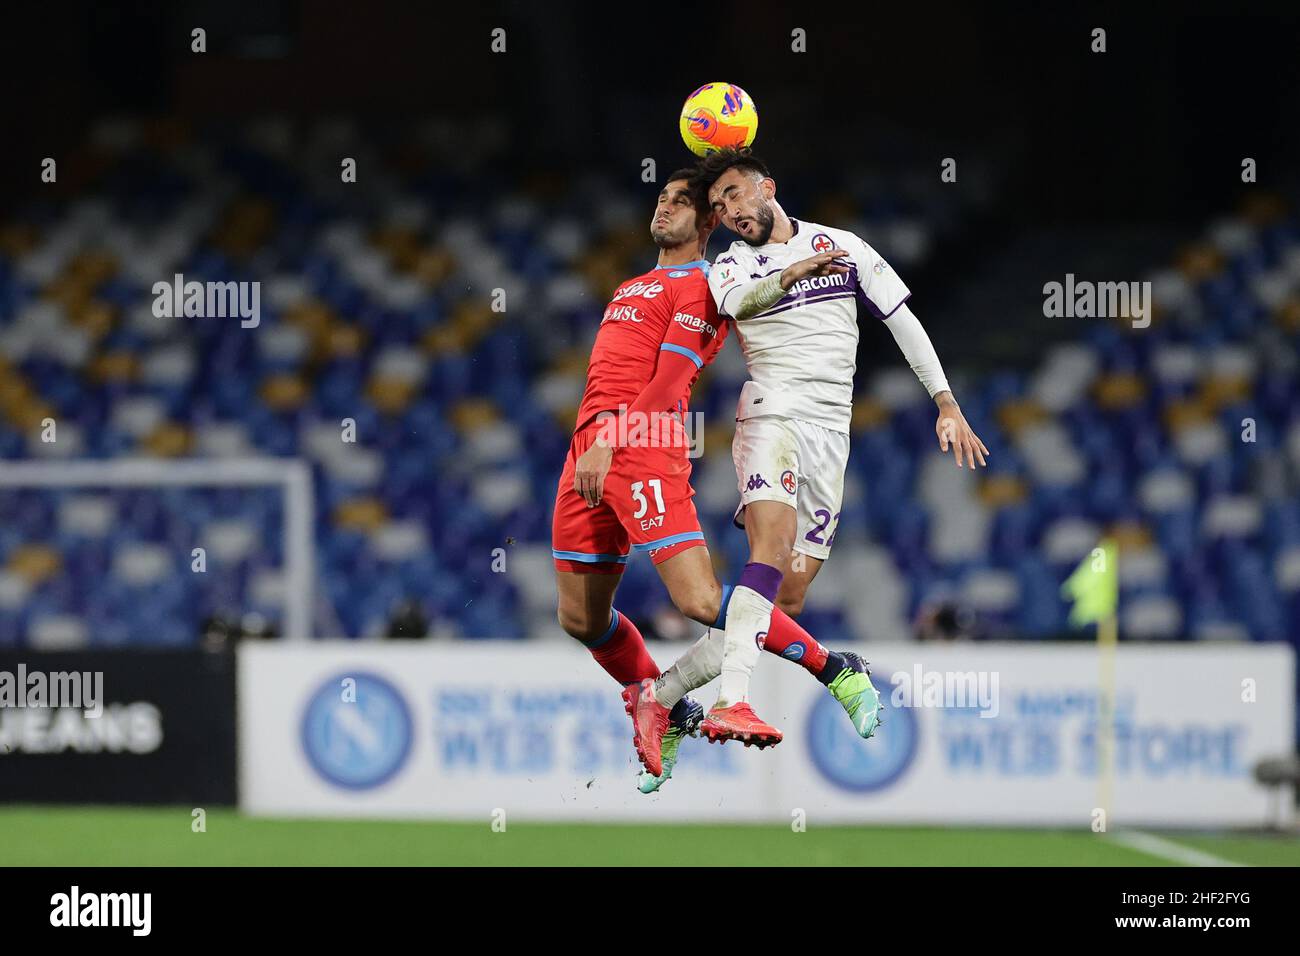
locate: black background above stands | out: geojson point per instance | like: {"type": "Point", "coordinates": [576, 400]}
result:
{"type": "Point", "coordinates": [1154, 128]}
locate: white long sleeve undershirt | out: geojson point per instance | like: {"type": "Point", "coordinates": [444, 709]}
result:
{"type": "Point", "coordinates": [917, 349]}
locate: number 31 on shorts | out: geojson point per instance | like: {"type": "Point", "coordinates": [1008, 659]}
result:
{"type": "Point", "coordinates": [638, 496]}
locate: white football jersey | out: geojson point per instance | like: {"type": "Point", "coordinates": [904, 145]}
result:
{"type": "Point", "coordinates": [802, 351]}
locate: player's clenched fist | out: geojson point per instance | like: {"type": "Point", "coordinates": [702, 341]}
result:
{"type": "Point", "coordinates": [823, 264]}
{"type": "Point", "coordinates": [590, 470]}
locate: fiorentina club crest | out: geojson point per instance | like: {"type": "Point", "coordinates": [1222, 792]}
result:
{"type": "Point", "coordinates": [822, 243]}
{"type": "Point", "coordinates": [788, 482]}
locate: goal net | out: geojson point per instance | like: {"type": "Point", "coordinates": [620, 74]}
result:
{"type": "Point", "coordinates": [153, 545]}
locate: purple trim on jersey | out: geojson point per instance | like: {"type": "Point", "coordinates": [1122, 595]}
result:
{"type": "Point", "coordinates": [875, 309]}
{"type": "Point", "coordinates": [819, 297]}
{"type": "Point", "coordinates": [795, 297]}
{"type": "Point", "coordinates": [792, 297]}
{"type": "Point", "coordinates": [863, 299]}
{"type": "Point", "coordinates": [901, 302]}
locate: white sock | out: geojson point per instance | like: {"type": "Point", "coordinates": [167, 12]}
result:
{"type": "Point", "coordinates": [748, 615]}
{"type": "Point", "coordinates": [700, 664]}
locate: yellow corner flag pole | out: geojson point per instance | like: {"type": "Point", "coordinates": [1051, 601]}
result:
{"type": "Point", "coordinates": [1094, 590]}
{"type": "Point", "coordinates": [1107, 639]}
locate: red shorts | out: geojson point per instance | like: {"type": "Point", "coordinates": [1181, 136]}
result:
{"type": "Point", "coordinates": [645, 506]}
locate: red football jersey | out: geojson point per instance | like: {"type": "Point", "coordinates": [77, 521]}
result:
{"type": "Point", "coordinates": [669, 308]}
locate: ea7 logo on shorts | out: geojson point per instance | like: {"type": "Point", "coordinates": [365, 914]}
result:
{"type": "Point", "coordinates": [756, 482]}
{"type": "Point", "coordinates": [655, 522]}
{"type": "Point", "coordinates": [788, 482]}
{"type": "Point", "coordinates": [694, 323]}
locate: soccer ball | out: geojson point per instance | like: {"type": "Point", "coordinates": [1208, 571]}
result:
{"type": "Point", "coordinates": [718, 115]}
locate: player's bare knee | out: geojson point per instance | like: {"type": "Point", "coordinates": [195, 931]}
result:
{"type": "Point", "coordinates": [701, 606]}
{"type": "Point", "coordinates": [576, 623]}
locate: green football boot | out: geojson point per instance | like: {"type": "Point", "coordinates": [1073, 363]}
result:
{"type": "Point", "coordinates": [682, 723]}
{"type": "Point", "coordinates": [853, 689]}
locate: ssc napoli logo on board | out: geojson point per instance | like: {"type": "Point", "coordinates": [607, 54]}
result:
{"type": "Point", "coordinates": [357, 744]}
{"type": "Point", "coordinates": [854, 764]}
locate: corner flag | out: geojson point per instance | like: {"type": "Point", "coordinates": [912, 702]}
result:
{"type": "Point", "coordinates": [1094, 586]}
{"type": "Point", "coordinates": [1094, 589]}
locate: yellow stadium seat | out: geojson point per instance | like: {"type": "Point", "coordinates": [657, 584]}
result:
{"type": "Point", "coordinates": [168, 440]}
{"type": "Point", "coordinates": [1119, 390]}
{"type": "Point", "coordinates": [1018, 414]}
{"type": "Point", "coordinates": [34, 563]}
{"type": "Point", "coordinates": [284, 392]}
{"type": "Point", "coordinates": [391, 396]}
{"type": "Point", "coordinates": [361, 514]}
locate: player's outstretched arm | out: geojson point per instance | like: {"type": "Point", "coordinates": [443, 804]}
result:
{"type": "Point", "coordinates": [952, 428]}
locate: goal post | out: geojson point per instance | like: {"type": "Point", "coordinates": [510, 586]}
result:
{"type": "Point", "coordinates": [292, 475]}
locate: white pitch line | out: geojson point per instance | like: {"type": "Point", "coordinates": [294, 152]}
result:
{"type": "Point", "coordinates": [1153, 845]}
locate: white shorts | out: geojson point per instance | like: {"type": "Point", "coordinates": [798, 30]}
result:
{"type": "Point", "coordinates": [798, 463]}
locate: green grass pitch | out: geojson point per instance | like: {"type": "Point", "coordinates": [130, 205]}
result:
{"type": "Point", "coordinates": [100, 836]}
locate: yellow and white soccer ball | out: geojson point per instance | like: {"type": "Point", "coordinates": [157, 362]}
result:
{"type": "Point", "coordinates": [718, 115]}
